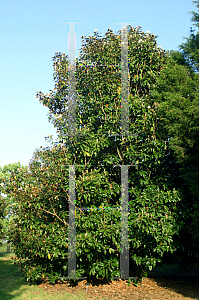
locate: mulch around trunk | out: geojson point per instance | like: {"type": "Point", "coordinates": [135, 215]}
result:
{"type": "Point", "coordinates": [150, 288]}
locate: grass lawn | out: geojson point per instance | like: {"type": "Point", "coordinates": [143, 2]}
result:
{"type": "Point", "coordinates": [14, 286]}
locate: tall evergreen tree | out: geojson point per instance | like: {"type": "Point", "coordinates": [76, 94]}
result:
{"type": "Point", "coordinates": [177, 95]}
{"type": "Point", "coordinates": [190, 172]}
{"type": "Point", "coordinates": [178, 106]}
{"type": "Point", "coordinates": [190, 49]}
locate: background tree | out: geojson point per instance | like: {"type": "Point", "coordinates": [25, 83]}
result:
{"type": "Point", "coordinates": [7, 204]}
{"type": "Point", "coordinates": [2, 216]}
{"type": "Point", "coordinates": [182, 118]}
{"type": "Point", "coordinates": [178, 102]}
{"type": "Point", "coordinates": [190, 49]}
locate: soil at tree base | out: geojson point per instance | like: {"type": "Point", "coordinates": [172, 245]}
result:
{"type": "Point", "coordinates": [170, 284]}
{"type": "Point", "coordinates": [162, 283]}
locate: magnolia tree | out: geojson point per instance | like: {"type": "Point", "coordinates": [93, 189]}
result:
{"type": "Point", "coordinates": [98, 151]}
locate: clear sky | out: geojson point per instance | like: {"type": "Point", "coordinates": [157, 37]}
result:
{"type": "Point", "coordinates": [30, 35]}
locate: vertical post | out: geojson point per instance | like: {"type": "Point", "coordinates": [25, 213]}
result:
{"type": "Point", "coordinates": [124, 80]}
{"type": "Point", "coordinates": [71, 82]}
{"type": "Point", "coordinates": [72, 131]}
{"type": "Point", "coordinates": [124, 83]}
{"type": "Point", "coordinates": [72, 225]}
{"type": "Point", "coordinates": [124, 254]}
{"type": "Point", "coordinates": [72, 93]}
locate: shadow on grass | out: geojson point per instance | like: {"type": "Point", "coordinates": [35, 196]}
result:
{"type": "Point", "coordinates": [10, 278]}
{"type": "Point", "coordinates": [185, 283]}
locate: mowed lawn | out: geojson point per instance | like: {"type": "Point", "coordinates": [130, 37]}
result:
{"type": "Point", "coordinates": [14, 286]}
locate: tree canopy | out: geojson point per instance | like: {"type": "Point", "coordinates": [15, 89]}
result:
{"type": "Point", "coordinates": [99, 153]}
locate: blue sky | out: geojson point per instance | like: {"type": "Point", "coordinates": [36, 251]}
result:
{"type": "Point", "coordinates": [30, 35]}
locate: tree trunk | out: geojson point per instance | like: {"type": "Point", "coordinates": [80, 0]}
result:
{"type": "Point", "coordinates": [8, 248]}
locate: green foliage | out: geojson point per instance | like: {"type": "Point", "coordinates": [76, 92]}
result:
{"type": "Point", "coordinates": [178, 108]}
{"type": "Point", "coordinates": [39, 231]}
{"type": "Point", "coordinates": [190, 49]}
{"type": "Point", "coordinates": [5, 202]}
{"type": "Point", "coordinates": [2, 216]}
{"type": "Point", "coordinates": [177, 94]}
